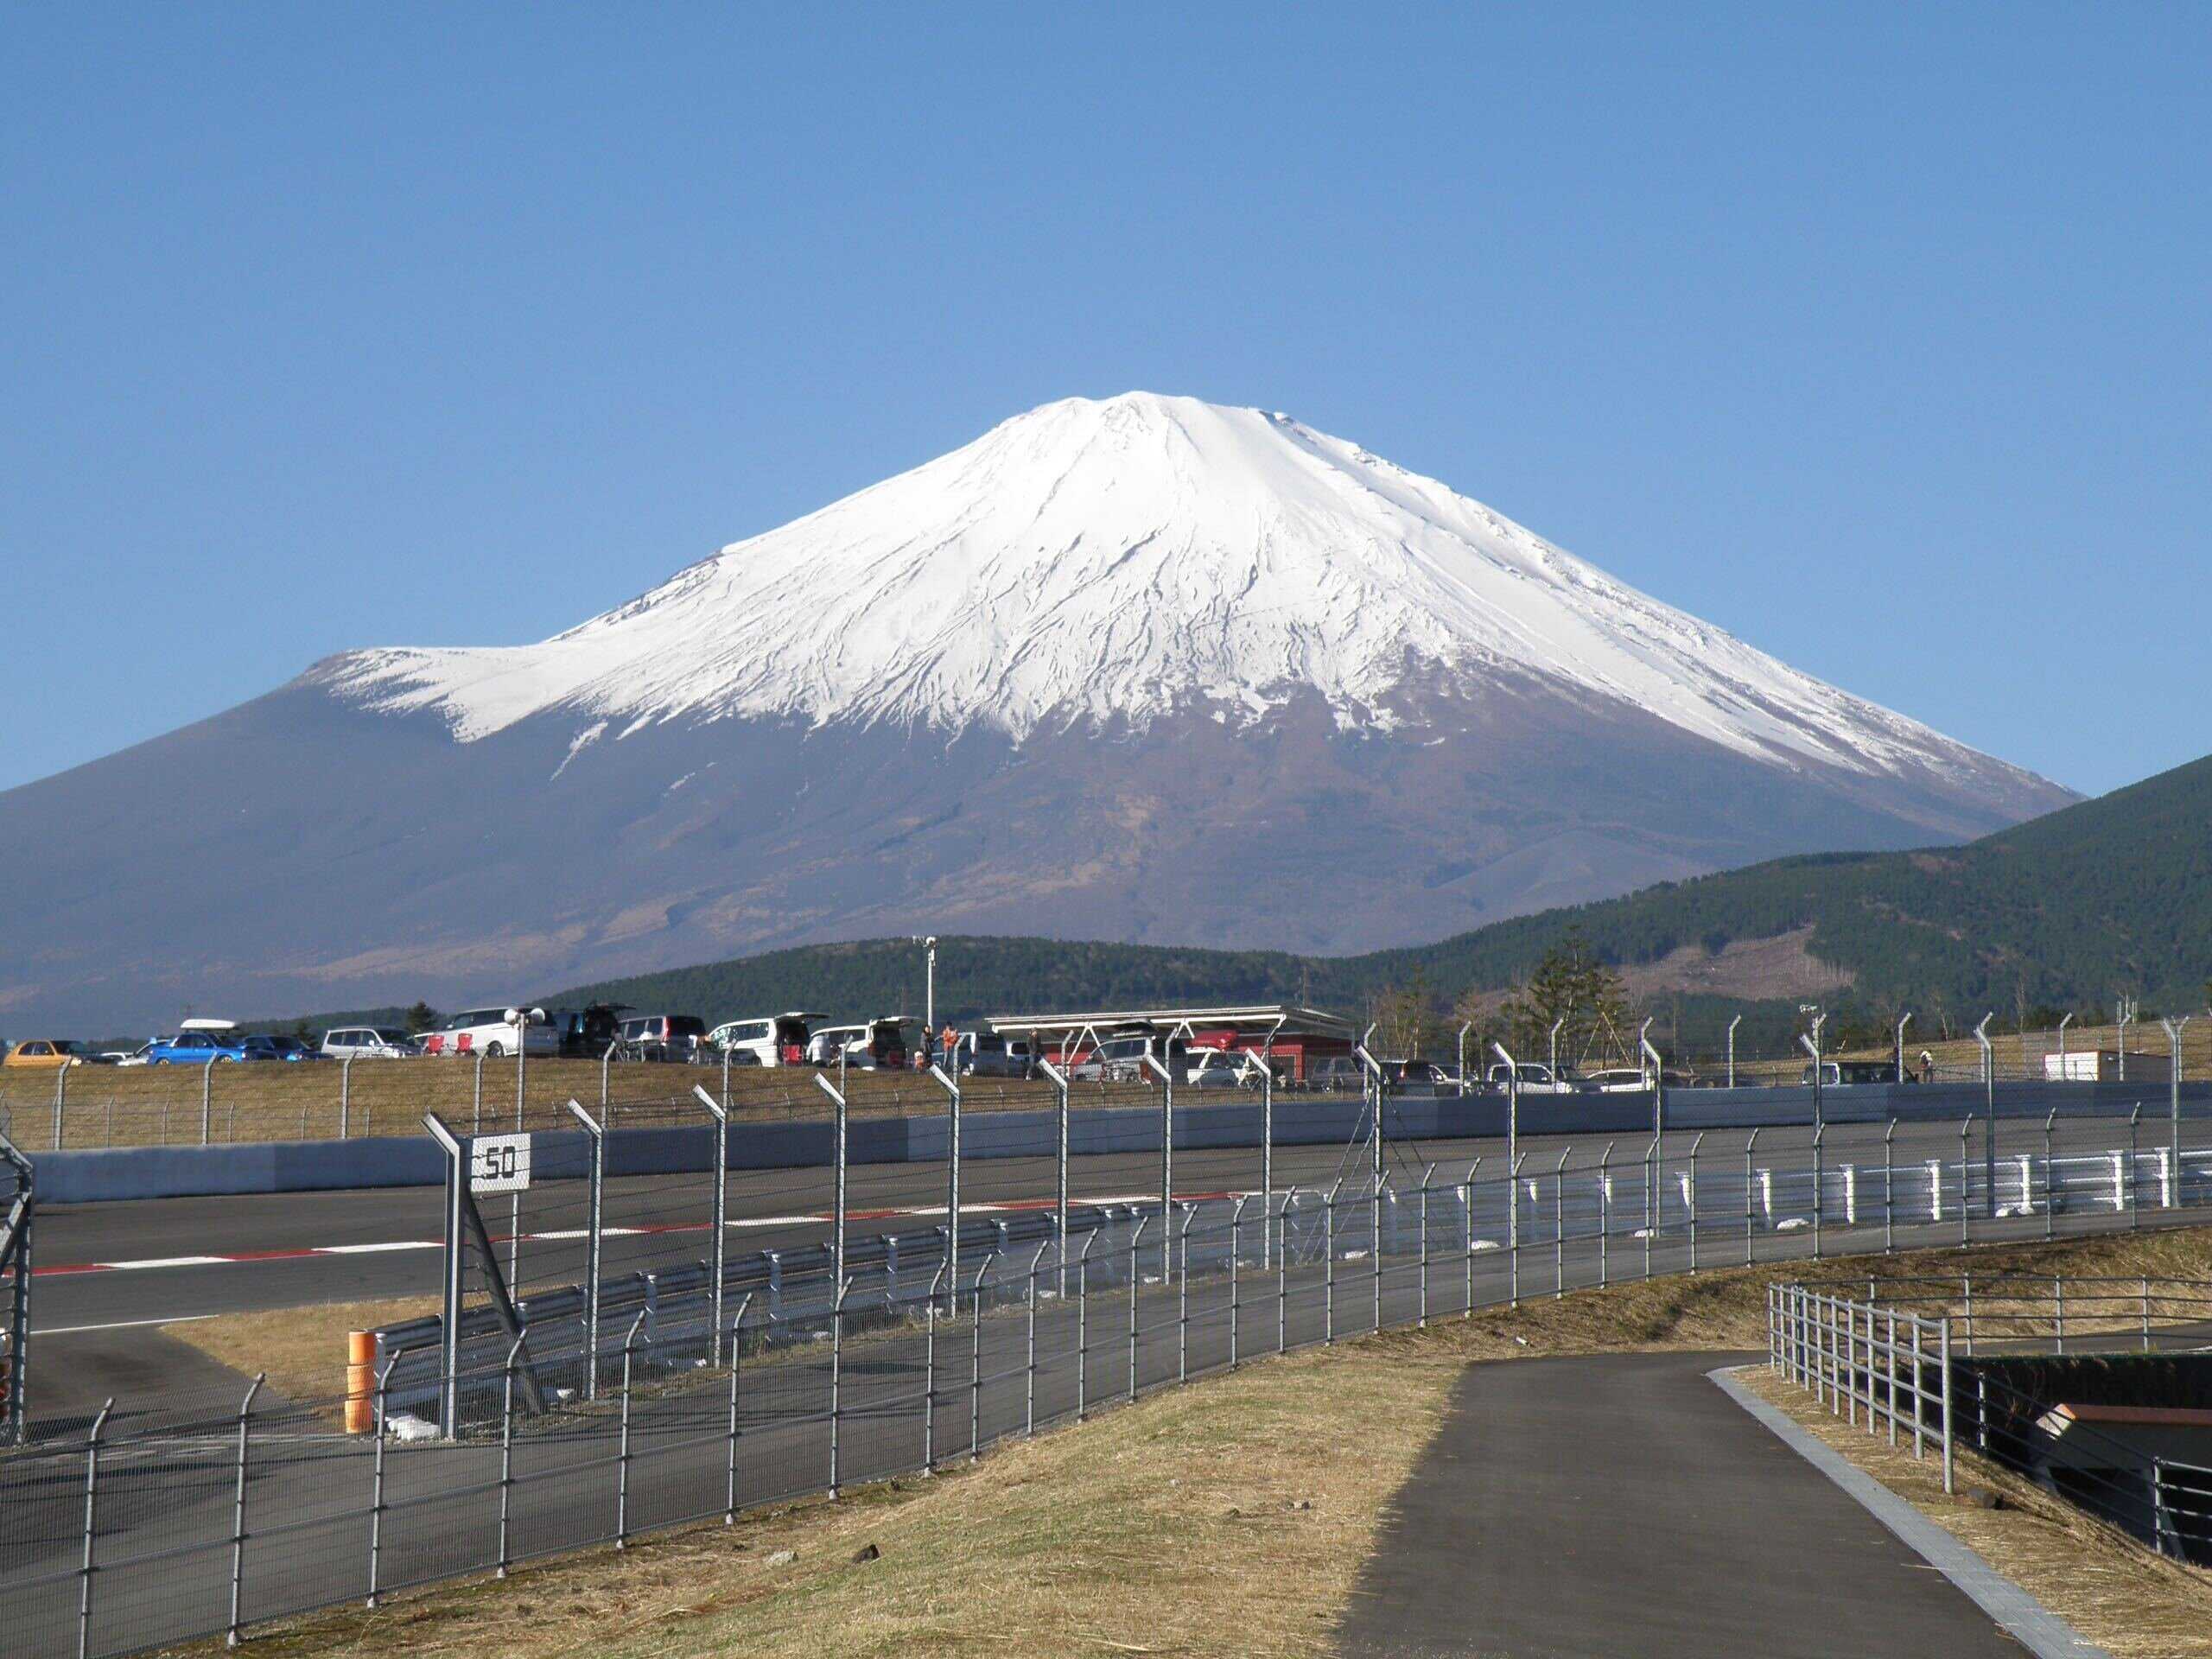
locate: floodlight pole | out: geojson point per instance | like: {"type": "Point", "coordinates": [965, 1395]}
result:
{"type": "Point", "coordinates": [951, 1087]}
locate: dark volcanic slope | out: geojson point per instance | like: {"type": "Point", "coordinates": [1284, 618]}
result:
{"type": "Point", "coordinates": [297, 852]}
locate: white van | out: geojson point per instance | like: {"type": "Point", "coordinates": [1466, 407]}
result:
{"type": "Point", "coordinates": [775, 1039]}
{"type": "Point", "coordinates": [367, 1043]}
{"type": "Point", "coordinates": [489, 1032]}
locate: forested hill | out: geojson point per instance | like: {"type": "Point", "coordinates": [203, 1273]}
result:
{"type": "Point", "coordinates": [2108, 895]}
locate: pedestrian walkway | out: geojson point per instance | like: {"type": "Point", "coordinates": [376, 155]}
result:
{"type": "Point", "coordinates": [1621, 1504]}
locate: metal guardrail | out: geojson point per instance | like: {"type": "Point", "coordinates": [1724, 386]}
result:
{"type": "Point", "coordinates": [1863, 1357]}
{"type": "Point", "coordinates": [1902, 1352]}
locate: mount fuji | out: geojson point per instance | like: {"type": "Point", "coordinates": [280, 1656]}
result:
{"type": "Point", "coordinates": [1144, 668]}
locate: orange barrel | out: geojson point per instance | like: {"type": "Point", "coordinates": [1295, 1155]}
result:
{"type": "Point", "coordinates": [360, 1382]}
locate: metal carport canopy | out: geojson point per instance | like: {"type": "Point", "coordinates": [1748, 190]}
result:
{"type": "Point", "coordinates": [1272, 1019]}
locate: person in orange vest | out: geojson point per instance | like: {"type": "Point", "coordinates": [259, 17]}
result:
{"type": "Point", "coordinates": [949, 1039]}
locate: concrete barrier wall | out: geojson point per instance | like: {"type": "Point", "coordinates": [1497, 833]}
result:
{"type": "Point", "coordinates": [415, 1161]}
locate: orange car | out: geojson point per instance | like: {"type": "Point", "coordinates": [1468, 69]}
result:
{"type": "Point", "coordinates": [47, 1054]}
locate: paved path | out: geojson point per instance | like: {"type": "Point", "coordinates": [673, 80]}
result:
{"type": "Point", "coordinates": [1621, 1504]}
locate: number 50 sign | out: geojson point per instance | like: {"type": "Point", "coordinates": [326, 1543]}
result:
{"type": "Point", "coordinates": [499, 1163]}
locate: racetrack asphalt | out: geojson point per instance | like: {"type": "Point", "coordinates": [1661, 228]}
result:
{"type": "Point", "coordinates": [1621, 1504]}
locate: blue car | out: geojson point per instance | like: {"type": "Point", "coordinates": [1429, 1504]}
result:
{"type": "Point", "coordinates": [203, 1043]}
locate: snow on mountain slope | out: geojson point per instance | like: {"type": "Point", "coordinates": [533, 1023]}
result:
{"type": "Point", "coordinates": [1111, 561]}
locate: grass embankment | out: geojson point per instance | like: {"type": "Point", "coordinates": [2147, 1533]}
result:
{"type": "Point", "coordinates": [124, 1106]}
{"type": "Point", "coordinates": [1228, 1518]}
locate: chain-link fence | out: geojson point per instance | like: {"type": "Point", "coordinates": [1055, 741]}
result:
{"type": "Point", "coordinates": [640, 1388]}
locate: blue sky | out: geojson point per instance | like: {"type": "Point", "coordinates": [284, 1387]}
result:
{"type": "Point", "coordinates": [1880, 337]}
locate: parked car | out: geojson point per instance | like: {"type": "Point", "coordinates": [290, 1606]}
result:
{"type": "Point", "coordinates": [489, 1032]}
{"type": "Point", "coordinates": [1536, 1078]}
{"type": "Point", "coordinates": [1121, 1059]}
{"type": "Point", "coordinates": [49, 1054]}
{"type": "Point", "coordinates": [1423, 1078]}
{"type": "Point", "coordinates": [200, 1042]}
{"type": "Point", "coordinates": [878, 1045]}
{"type": "Point", "coordinates": [676, 1038]}
{"type": "Point", "coordinates": [367, 1043]}
{"type": "Point", "coordinates": [1837, 1072]}
{"type": "Point", "coordinates": [1219, 1068]}
{"type": "Point", "coordinates": [137, 1056]}
{"type": "Point", "coordinates": [268, 1046]}
{"type": "Point", "coordinates": [772, 1039]}
{"type": "Point", "coordinates": [1342, 1073]}
{"type": "Point", "coordinates": [586, 1033]}
{"type": "Point", "coordinates": [992, 1055]}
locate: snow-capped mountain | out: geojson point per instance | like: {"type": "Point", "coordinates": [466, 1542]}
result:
{"type": "Point", "coordinates": [1109, 562]}
{"type": "Point", "coordinates": [1142, 668]}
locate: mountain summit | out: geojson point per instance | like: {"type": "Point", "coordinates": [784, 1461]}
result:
{"type": "Point", "coordinates": [1106, 563]}
{"type": "Point", "coordinates": [1142, 669]}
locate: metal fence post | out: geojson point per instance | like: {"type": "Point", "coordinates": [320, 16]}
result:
{"type": "Point", "coordinates": [237, 1513]}
{"type": "Point", "coordinates": [206, 1100]}
{"type": "Point", "coordinates": [1467, 1207]}
{"type": "Point", "coordinates": [507, 1447]}
{"type": "Point", "coordinates": [2049, 1174]}
{"type": "Point", "coordinates": [1268, 1151]}
{"type": "Point", "coordinates": [1236, 1303]}
{"type": "Point", "coordinates": [1889, 1182]}
{"type": "Point", "coordinates": [1060, 1080]}
{"type": "Point", "coordinates": [622, 1455]}
{"type": "Point", "coordinates": [594, 1227]}
{"type": "Point", "coordinates": [376, 1497]}
{"type": "Point", "coordinates": [1421, 1220]}
{"type": "Point", "coordinates": [1029, 1369]}
{"type": "Point", "coordinates": [837, 1161]}
{"type": "Point", "coordinates": [1919, 1392]}
{"type": "Point", "coordinates": [1696, 1141]}
{"type": "Point", "coordinates": [975, 1361]}
{"type": "Point", "coordinates": [92, 1530]}
{"type": "Point", "coordinates": [1943, 1359]}
{"type": "Point", "coordinates": [1283, 1274]}
{"type": "Point", "coordinates": [60, 1095]}
{"type": "Point", "coordinates": [717, 1250]}
{"type": "Point", "coordinates": [1605, 1209]}
{"type": "Point", "coordinates": [1329, 1265]}
{"type": "Point", "coordinates": [1167, 1176]}
{"type": "Point", "coordinates": [476, 1098]}
{"type": "Point", "coordinates": [1558, 1225]}
{"type": "Point", "coordinates": [736, 1364]}
{"type": "Point", "coordinates": [1652, 1205]}
{"type": "Point", "coordinates": [2134, 1209]}
{"type": "Point", "coordinates": [1083, 1324]}
{"type": "Point", "coordinates": [1135, 1233]}
{"type": "Point", "coordinates": [929, 1372]}
{"type": "Point", "coordinates": [1750, 1216]}
{"type": "Point", "coordinates": [951, 1087]}
{"type": "Point", "coordinates": [1966, 1199]}
{"type": "Point", "coordinates": [836, 1376]}
{"type": "Point", "coordinates": [1183, 1299]}
{"type": "Point", "coordinates": [1819, 1133]}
